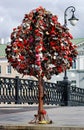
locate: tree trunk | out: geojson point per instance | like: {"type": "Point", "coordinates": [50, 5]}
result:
{"type": "Point", "coordinates": [40, 98]}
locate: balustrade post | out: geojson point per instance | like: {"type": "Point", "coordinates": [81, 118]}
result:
{"type": "Point", "coordinates": [66, 86]}
{"type": "Point", "coordinates": [16, 90]}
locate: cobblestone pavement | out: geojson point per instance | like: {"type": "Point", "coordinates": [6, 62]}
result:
{"type": "Point", "coordinates": [61, 116]}
{"type": "Point", "coordinates": [8, 109]}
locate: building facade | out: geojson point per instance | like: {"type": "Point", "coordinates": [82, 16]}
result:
{"type": "Point", "coordinates": [75, 74]}
{"type": "Point", "coordinates": [6, 69]}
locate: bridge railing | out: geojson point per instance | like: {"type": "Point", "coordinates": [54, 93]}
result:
{"type": "Point", "coordinates": [18, 91]}
{"type": "Point", "coordinates": [76, 96]}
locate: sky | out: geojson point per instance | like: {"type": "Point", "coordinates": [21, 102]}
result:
{"type": "Point", "coordinates": [12, 13]}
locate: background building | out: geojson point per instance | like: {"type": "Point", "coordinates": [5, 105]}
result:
{"type": "Point", "coordinates": [6, 69]}
{"type": "Point", "coordinates": [75, 74]}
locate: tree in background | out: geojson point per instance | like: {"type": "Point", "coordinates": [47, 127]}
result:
{"type": "Point", "coordinates": [40, 47]}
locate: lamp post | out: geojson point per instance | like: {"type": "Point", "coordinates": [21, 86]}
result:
{"type": "Point", "coordinates": [73, 20]}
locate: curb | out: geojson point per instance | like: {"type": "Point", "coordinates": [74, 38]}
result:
{"type": "Point", "coordinates": [38, 127]}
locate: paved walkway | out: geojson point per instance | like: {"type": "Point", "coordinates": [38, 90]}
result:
{"type": "Point", "coordinates": [19, 116]}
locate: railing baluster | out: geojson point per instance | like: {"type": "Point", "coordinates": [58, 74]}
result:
{"type": "Point", "coordinates": [16, 90]}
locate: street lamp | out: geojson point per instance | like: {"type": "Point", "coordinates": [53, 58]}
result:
{"type": "Point", "coordinates": [73, 20]}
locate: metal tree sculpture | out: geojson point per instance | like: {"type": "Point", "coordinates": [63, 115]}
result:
{"type": "Point", "coordinates": [40, 47]}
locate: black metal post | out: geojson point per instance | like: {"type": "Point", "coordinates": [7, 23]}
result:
{"type": "Point", "coordinates": [66, 82]}
{"type": "Point", "coordinates": [65, 75]}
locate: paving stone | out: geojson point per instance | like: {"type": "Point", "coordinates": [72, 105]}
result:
{"type": "Point", "coordinates": [64, 118]}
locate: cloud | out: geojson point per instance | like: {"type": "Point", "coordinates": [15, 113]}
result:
{"type": "Point", "coordinates": [12, 13]}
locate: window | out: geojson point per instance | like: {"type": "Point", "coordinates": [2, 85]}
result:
{"type": "Point", "coordinates": [8, 69]}
{"type": "Point", "coordinates": [73, 83]}
{"type": "Point", "coordinates": [0, 69]}
{"type": "Point", "coordinates": [74, 64]}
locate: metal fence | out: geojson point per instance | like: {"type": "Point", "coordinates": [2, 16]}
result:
{"type": "Point", "coordinates": [18, 91]}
